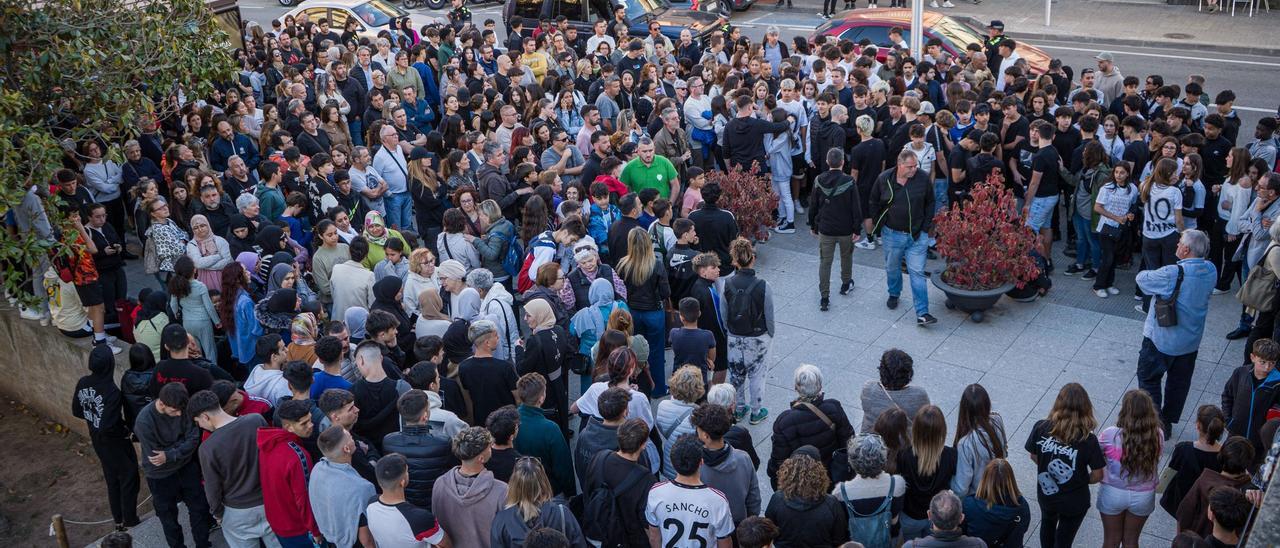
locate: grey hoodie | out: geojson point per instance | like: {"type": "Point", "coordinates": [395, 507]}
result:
{"type": "Point", "coordinates": [465, 506]}
{"type": "Point", "coordinates": [730, 471]}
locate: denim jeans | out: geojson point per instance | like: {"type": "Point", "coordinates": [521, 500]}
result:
{"type": "Point", "coordinates": [1088, 248]}
{"type": "Point", "coordinates": [652, 325]}
{"type": "Point", "coordinates": [356, 126]}
{"type": "Point", "coordinates": [896, 246]}
{"type": "Point", "coordinates": [399, 211]}
{"type": "Point", "coordinates": [941, 188]}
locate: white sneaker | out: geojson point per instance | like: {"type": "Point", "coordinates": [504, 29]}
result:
{"type": "Point", "coordinates": [1112, 290]}
{"type": "Point", "coordinates": [31, 314]}
{"type": "Point", "coordinates": [1217, 291]}
{"type": "Point", "coordinates": [1138, 307]}
{"type": "Point", "coordinates": [799, 208]}
{"type": "Point", "coordinates": [865, 244]}
{"type": "Point", "coordinates": [1101, 293]}
{"type": "Point", "coordinates": [948, 4]}
{"type": "Point", "coordinates": [934, 4]}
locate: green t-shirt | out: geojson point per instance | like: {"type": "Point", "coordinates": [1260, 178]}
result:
{"type": "Point", "coordinates": [659, 175]}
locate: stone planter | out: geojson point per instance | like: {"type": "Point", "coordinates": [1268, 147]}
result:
{"type": "Point", "coordinates": [974, 302]}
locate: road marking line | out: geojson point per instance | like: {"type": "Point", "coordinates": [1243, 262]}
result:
{"type": "Point", "coordinates": [1160, 55]}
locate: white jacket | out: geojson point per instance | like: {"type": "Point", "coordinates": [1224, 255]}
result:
{"type": "Point", "coordinates": [499, 307]}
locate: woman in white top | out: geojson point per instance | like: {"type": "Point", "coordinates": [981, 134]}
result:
{"type": "Point", "coordinates": [431, 317]}
{"type": "Point", "coordinates": [1114, 208]}
{"type": "Point", "coordinates": [455, 243]}
{"type": "Point", "coordinates": [104, 178]}
{"type": "Point", "coordinates": [1168, 149]}
{"type": "Point", "coordinates": [1234, 196]}
{"type": "Point", "coordinates": [422, 276]}
{"type": "Point", "coordinates": [1189, 181]}
{"type": "Point", "coordinates": [1111, 138]}
{"type": "Point", "coordinates": [1161, 217]}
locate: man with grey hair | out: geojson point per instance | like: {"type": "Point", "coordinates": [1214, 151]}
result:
{"type": "Point", "coordinates": [672, 142]}
{"type": "Point", "coordinates": [494, 185]}
{"type": "Point", "coordinates": [813, 419]}
{"type": "Point", "coordinates": [392, 166]}
{"type": "Point", "coordinates": [608, 104]}
{"type": "Point", "coordinates": [835, 217]}
{"type": "Point", "coordinates": [371, 186]}
{"type": "Point", "coordinates": [491, 382]}
{"type": "Point", "coordinates": [945, 516]}
{"type": "Point", "coordinates": [498, 305]}
{"type": "Point", "coordinates": [697, 117]}
{"type": "Point", "coordinates": [902, 204]}
{"type": "Point", "coordinates": [1171, 342]}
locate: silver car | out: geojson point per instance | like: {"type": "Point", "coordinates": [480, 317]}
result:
{"type": "Point", "coordinates": [374, 15]}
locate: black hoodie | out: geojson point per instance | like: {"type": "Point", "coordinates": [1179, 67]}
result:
{"type": "Point", "coordinates": [826, 135]}
{"type": "Point", "coordinates": [386, 297]}
{"type": "Point", "coordinates": [744, 139]}
{"type": "Point", "coordinates": [834, 205]}
{"type": "Point", "coordinates": [808, 523]}
{"type": "Point", "coordinates": [97, 399]}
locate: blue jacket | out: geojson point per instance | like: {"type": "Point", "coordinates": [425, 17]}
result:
{"type": "Point", "coordinates": [1198, 279]}
{"type": "Point", "coordinates": [221, 149]}
{"type": "Point", "coordinates": [998, 525]}
{"type": "Point", "coordinates": [421, 115]}
{"type": "Point", "coordinates": [245, 339]}
{"type": "Point", "coordinates": [598, 226]}
{"type": "Point", "coordinates": [429, 84]}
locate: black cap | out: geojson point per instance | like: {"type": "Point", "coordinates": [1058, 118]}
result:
{"type": "Point", "coordinates": [996, 24]}
{"type": "Point", "coordinates": [982, 108]}
{"type": "Point", "coordinates": [418, 153]}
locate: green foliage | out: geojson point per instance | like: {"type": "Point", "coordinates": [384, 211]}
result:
{"type": "Point", "coordinates": [92, 69]}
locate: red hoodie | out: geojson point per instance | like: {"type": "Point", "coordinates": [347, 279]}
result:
{"type": "Point", "coordinates": [613, 183]}
{"type": "Point", "coordinates": [283, 469]}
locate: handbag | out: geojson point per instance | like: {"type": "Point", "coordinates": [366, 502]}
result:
{"type": "Point", "coordinates": [1166, 310]}
{"type": "Point", "coordinates": [1259, 289]}
{"type": "Point", "coordinates": [1111, 231]}
{"type": "Point", "coordinates": [150, 260]}
{"type": "Point", "coordinates": [1166, 477]}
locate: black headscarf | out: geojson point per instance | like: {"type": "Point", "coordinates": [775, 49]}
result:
{"type": "Point", "coordinates": [154, 302]}
{"type": "Point", "coordinates": [240, 245]}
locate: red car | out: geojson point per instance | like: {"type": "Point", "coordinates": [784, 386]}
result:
{"type": "Point", "coordinates": [874, 25]}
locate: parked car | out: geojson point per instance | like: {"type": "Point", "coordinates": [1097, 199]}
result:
{"type": "Point", "coordinates": [582, 13]}
{"type": "Point", "coordinates": [713, 7]}
{"type": "Point", "coordinates": [374, 15]}
{"type": "Point", "coordinates": [874, 25]}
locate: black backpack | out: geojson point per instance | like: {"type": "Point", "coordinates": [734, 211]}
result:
{"type": "Point", "coordinates": [741, 307]}
{"type": "Point", "coordinates": [602, 515]}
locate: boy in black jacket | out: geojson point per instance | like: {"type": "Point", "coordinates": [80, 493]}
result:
{"type": "Point", "coordinates": [1251, 391]}
{"type": "Point", "coordinates": [835, 217]}
{"type": "Point", "coordinates": [99, 402]}
{"type": "Point", "coordinates": [706, 289]}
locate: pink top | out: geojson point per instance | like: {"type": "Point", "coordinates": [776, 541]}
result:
{"type": "Point", "coordinates": [1112, 441]}
{"type": "Point", "coordinates": [692, 199]}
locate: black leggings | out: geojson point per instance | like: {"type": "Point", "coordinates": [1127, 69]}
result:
{"type": "Point", "coordinates": [829, 6]}
{"type": "Point", "coordinates": [1057, 529]}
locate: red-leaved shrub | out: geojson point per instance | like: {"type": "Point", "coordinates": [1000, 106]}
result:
{"type": "Point", "coordinates": [985, 241]}
{"type": "Point", "coordinates": [749, 196]}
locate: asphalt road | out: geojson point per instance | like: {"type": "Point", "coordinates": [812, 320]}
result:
{"type": "Point", "coordinates": [1252, 78]}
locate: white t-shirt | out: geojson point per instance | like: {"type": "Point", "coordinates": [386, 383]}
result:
{"type": "Point", "coordinates": [1158, 219]}
{"type": "Point", "coordinates": [637, 408]}
{"type": "Point", "coordinates": [402, 526]}
{"type": "Point", "coordinates": [688, 515]}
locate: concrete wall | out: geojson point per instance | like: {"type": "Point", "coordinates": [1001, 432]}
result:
{"type": "Point", "coordinates": [39, 367]}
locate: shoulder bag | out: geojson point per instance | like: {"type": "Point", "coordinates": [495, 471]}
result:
{"type": "Point", "coordinates": [1259, 290]}
{"type": "Point", "coordinates": [1166, 310]}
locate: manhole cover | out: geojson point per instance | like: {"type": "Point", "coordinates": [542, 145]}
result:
{"type": "Point", "coordinates": [1179, 36]}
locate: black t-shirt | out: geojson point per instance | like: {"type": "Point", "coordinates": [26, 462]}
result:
{"type": "Point", "coordinates": [194, 377]}
{"type": "Point", "coordinates": [1062, 480]}
{"type": "Point", "coordinates": [959, 159]}
{"type": "Point", "coordinates": [1020, 128]}
{"type": "Point", "coordinates": [1045, 161]}
{"type": "Point", "coordinates": [502, 463]}
{"type": "Point", "coordinates": [489, 382]}
{"type": "Point", "coordinates": [1065, 142]}
{"type": "Point", "coordinates": [868, 159]}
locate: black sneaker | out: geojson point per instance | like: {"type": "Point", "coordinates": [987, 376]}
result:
{"type": "Point", "coordinates": [892, 303]}
{"type": "Point", "coordinates": [846, 287]}
{"type": "Point", "coordinates": [1073, 269]}
{"type": "Point", "coordinates": [788, 228]}
{"type": "Point", "coordinates": [926, 319]}
{"type": "Point", "coordinates": [1168, 428]}
{"type": "Point", "coordinates": [825, 304]}
{"type": "Point", "coordinates": [1239, 333]}
{"type": "Point", "coordinates": [1089, 274]}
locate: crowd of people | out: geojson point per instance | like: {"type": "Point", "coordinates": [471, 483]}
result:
{"type": "Point", "coordinates": [381, 262]}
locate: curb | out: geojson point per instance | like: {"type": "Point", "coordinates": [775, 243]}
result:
{"type": "Point", "coordinates": [1219, 48]}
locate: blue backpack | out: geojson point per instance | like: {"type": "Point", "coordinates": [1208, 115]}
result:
{"type": "Point", "coordinates": [870, 529]}
{"type": "Point", "coordinates": [514, 258]}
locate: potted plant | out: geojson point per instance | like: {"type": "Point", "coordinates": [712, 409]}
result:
{"type": "Point", "coordinates": [749, 196]}
{"type": "Point", "coordinates": [987, 247]}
